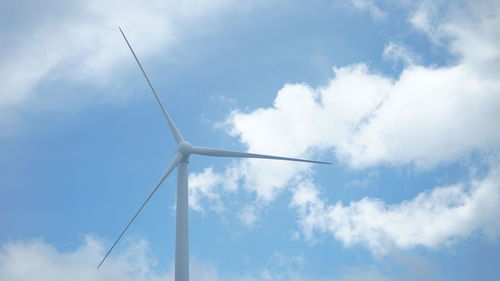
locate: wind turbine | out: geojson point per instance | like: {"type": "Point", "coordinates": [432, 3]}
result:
{"type": "Point", "coordinates": [180, 161]}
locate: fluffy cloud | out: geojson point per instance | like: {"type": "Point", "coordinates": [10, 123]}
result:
{"type": "Point", "coordinates": [433, 218]}
{"type": "Point", "coordinates": [36, 259]}
{"type": "Point", "coordinates": [425, 117]}
{"type": "Point", "coordinates": [208, 185]}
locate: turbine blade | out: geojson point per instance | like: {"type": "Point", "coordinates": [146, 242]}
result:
{"type": "Point", "coordinates": [170, 167]}
{"type": "Point", "coordinates": [175, 132]}
{"type": "Point", "coordinates": [226, 153]}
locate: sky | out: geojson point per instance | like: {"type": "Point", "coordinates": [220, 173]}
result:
{"type": "Point", "coordinates": [403, 97]}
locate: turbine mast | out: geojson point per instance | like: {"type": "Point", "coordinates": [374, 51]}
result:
{"type": "Point", "coordinates": [181, 223]}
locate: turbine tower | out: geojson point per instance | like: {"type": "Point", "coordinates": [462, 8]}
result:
{"type": "Point", "coordinates": [180, 161]}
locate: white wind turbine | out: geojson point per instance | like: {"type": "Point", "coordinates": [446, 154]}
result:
{"type": "Point", "coordinates": [180, 161]}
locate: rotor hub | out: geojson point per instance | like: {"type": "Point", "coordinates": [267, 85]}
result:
{"type": "Point", "coordinates": [184, 148]}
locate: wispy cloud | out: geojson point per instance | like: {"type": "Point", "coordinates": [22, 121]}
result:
{"type": "Point", "coordinates": [398, 52]}
{"type": "Point", "coordinates": [79, 43]}
{"type": "Point", "coordinates": [369, 6]}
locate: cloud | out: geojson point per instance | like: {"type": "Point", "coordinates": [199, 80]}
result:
{"type": "Point", "coordinates": [426, 117]}
{"type": "Point", "coordinates": [202, 186]}
{"type": "Point", "coordinates": [248, 214]}
{"type": "Point", "coordinates": [78, 43]}
{"type": "Point", "coordinates": [398, 52]}
{"type": "Point", "coordinates": [73, 42]}
{"type": "Point", "coordinates": [38, 260]}
{"type": "Point", "coordinates": [35, 259]}
{"type": "Point", "coordinates": [368, 181]}
{"type": "Point", "coordinates": [208, 185]}
{"type": "Point", "coordinates": [433, 218]}
{"type": "Point", "coordinates": [370, 7]}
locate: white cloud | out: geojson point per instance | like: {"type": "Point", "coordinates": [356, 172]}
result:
{"type": "Point", "coordinates": [432, 219]}
{"type": "Point", "coordinates": [208, 185]}
{"type": "Point", "coordinates": [68, 42]}
{"type": "Point", "coordinates": [396, 52]}
{"type": "Point", "coordinates": [203, 185]}
{"type": "Point", "coordinates": [467, 28]}
{"type": "Point", "coordinates": [38, 260]}
{"type": "Point", "coordinates": [370, 6]}
{"type": "Point", "coordinates": [248, 215]}
{"type": "Point", "coordinates": [35, 259]}
{"type": "Point", "coordinates": [428, 116]}
{"type": "Point", "coordinates": [78, 43]}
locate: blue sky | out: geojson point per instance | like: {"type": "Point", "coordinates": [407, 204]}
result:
{"type": "Point", "coordinates": [403, 97]}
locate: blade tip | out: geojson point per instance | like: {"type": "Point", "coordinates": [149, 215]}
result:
{"type": "Point", "coordinates": [321, 162]}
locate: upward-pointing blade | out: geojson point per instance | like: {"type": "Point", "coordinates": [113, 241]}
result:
{"type": "Point", "coordinates": [171, 124]}
{"type": "Point", "coordinates": [170, 167]}
{"type": "Point", "coordinates": [226, 153]}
